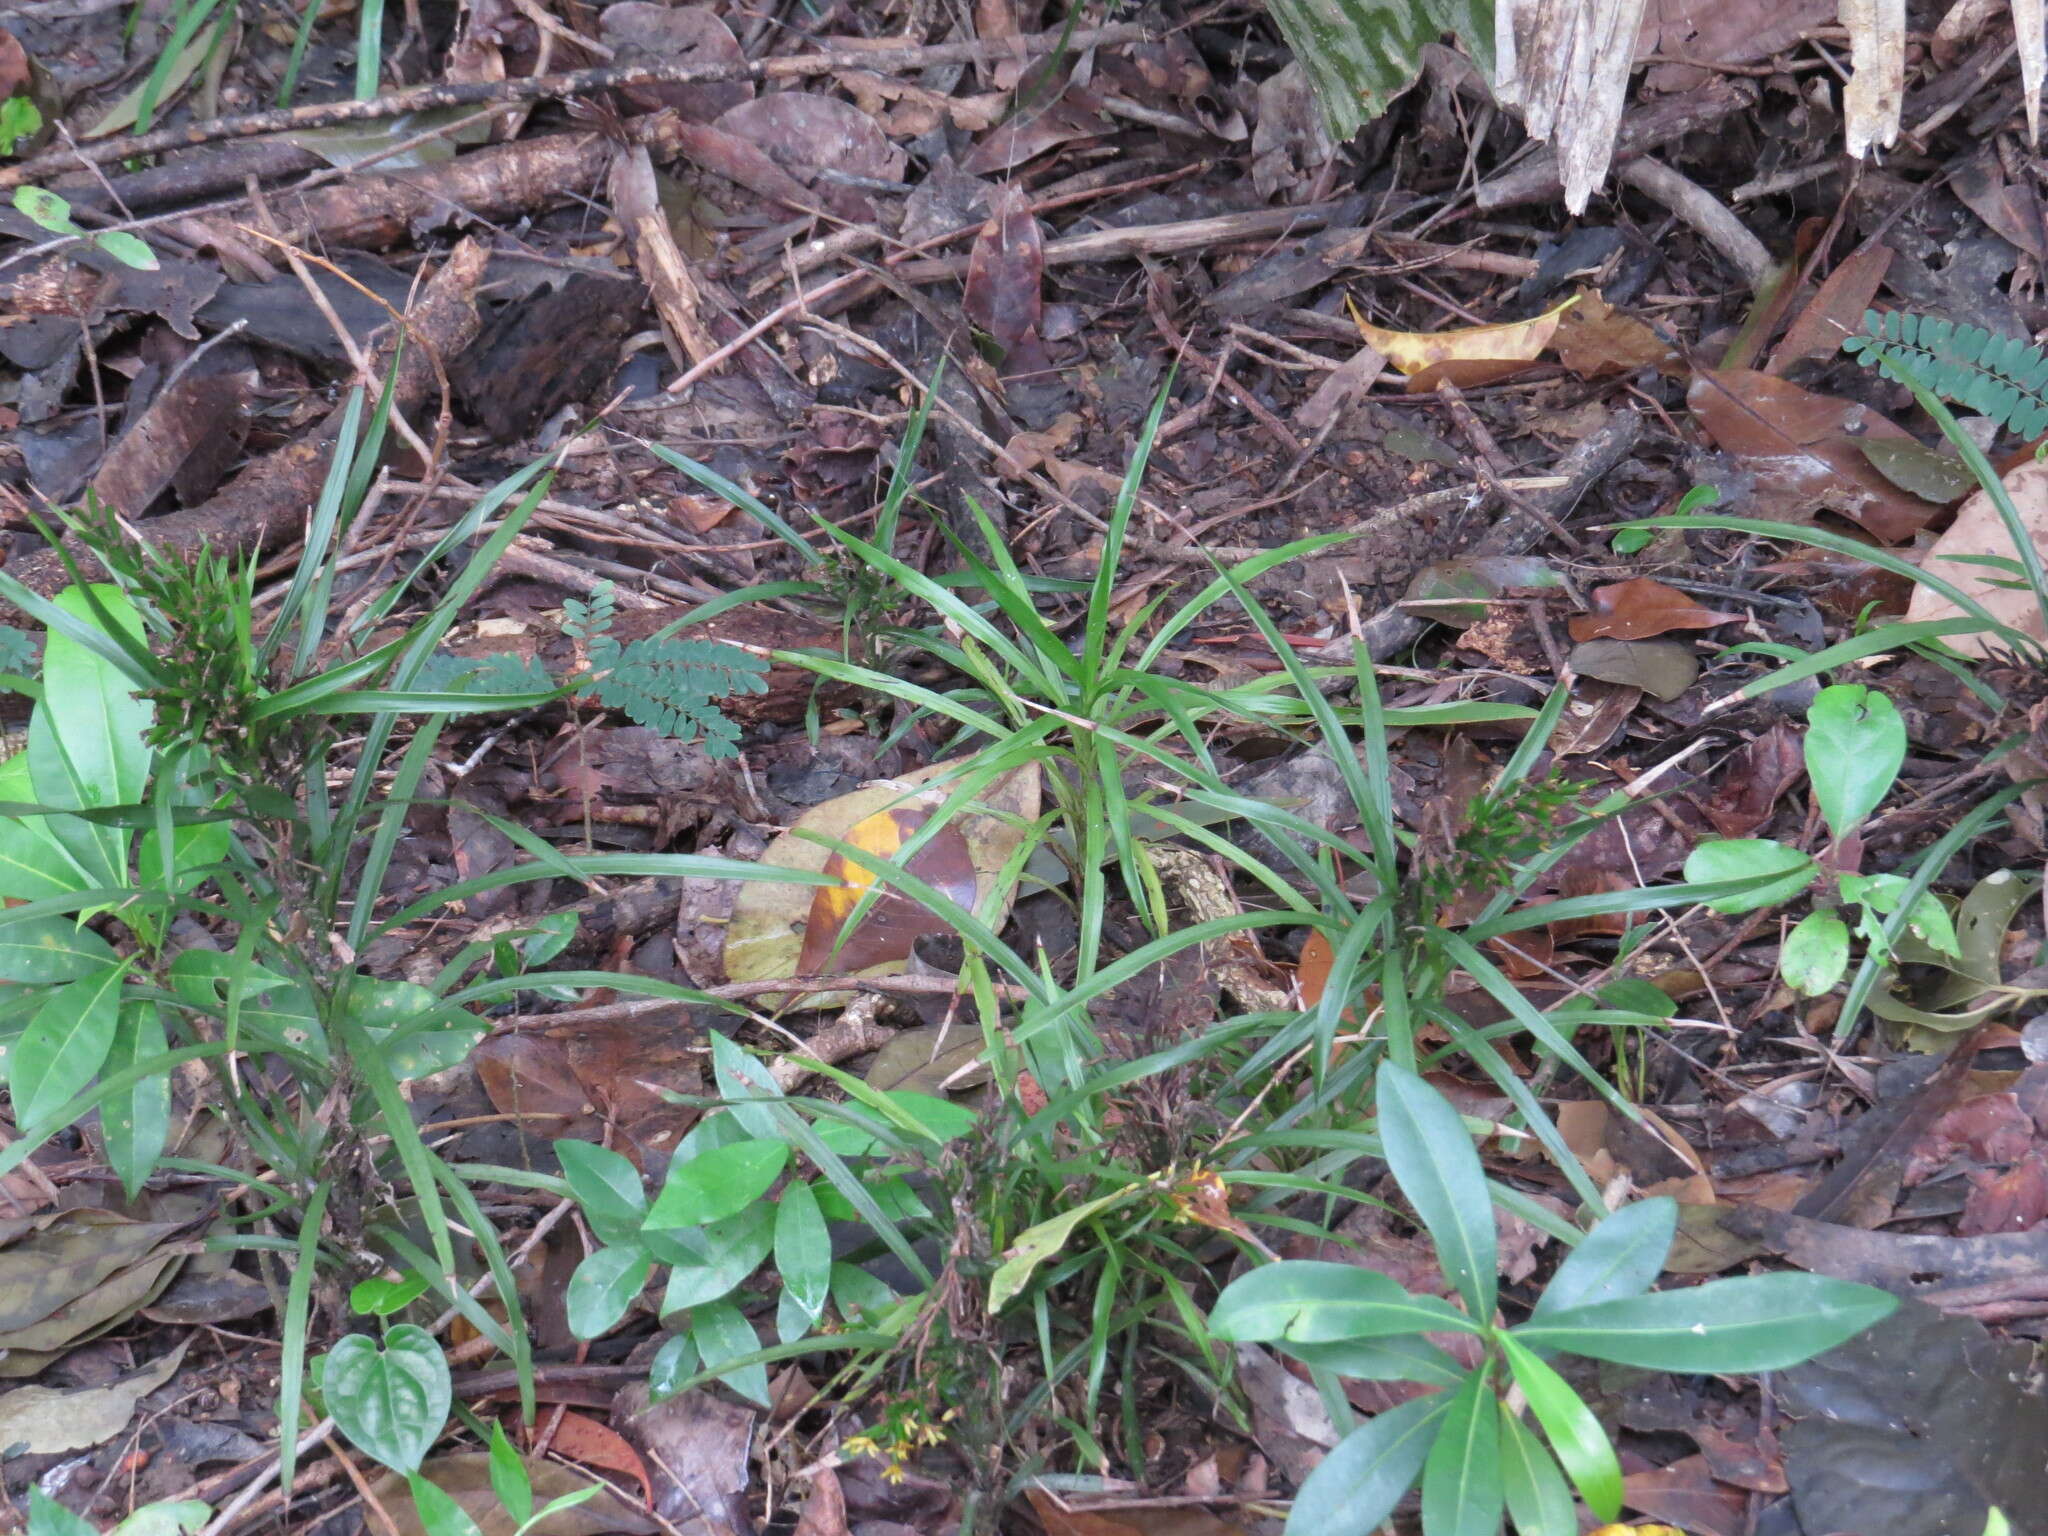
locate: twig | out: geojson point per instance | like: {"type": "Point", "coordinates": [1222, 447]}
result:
{"type": "Point", "coordinates": [1699, 208]}
{"type": "Point", "coordinates": [582, 82]}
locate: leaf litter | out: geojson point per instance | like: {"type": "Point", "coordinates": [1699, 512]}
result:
{"type": "Point", "coordinates": [1020, 205]}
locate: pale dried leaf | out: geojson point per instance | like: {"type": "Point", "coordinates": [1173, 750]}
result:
{"type": "Point", "coordinates": [1978, 530]}
{"type": "Point", "coordinates": [2030, 31]}
{"type": "Point", "coordinates": [1877, 83]}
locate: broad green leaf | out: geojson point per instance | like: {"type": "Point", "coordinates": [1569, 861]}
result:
{"type": "Point", "coordinates": [391, 1403]}
{"type": "Point", "coordinates": [440, 1514]}
{"type": "Point", "coordinates": [1816, 953]}
{"type": "Point", "coordinates": [1354, 1488]}
{"type": "Point", "coordinates": [717, 1184]}
{"type": "Point", "coordinates": [1312, 1301]}
{"type": "Point", "coordinates": [1036, 1244]}
{"type": "Point", "coordinates": [33, 864]}
{"type": "Point", "coordinates": [129, 250]}
{"type": "Point", "coordinates": [1855, 745]}
{"type": "Point", "coordinates": [706, 1263]}
{"type": "Point", "coordinates": [1623, 1256]}
{"type": "Point", "coordinates": [1575, 1435]}
{"type": "Point", "coordinates": [1430, 1152]}
{"type": "Point", "coordinates": [1749, 858]}
{"type": "Point", "coordinates": [803, 1250]}
{"type": "Point", "coordinates": [48, 949]}
{"type": "Point", "coordinates": [604, 1286]}
{"type": "Point", "coordinates": [673, 1364]}
{"type": "Point", "coordinates": [379, 1297]}
{"type": "Point", "coordinates": [1461, 1493]}
{"type": "Point", "coordinates": [607, 1186]}
{"type": "Point", "coordinates": [1392, 1357]}
{"type": "Point", "coordinates": [168, 1517]}
{"type": "Point", "coordinates": [855, 1291]}
{"type": "Point", "coordinates": [1359, 55]}
{"type": "Point", "coordinates": [1756, 1323]}
{"type": "Point", "coordinates": [722, 1333]}
{"type": "Point", "coordinates": [194, 847]}
{"type": "Point", "coordinates": [46, 1517]}
{"type": "Point", "coordinates": [1538, 1499]}
{"type": "Point", "coordinates": [509, 1479]}
{"type": "Point", "coordinates": [417, 1032]}
{"type": "Point", "coordinates": [64, 1045]}
{"type": "Point", "coordinates": [85, 740]}
{"type": "Point", "coordinates": [42, 207]}
{"type": "Point", "coordinates": [137, 1122]}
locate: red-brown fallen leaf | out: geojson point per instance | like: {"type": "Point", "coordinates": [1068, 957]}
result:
{"type": "Point", "coordinates": [894, 922]}
{"type": "Point", "coordinates": [2013, 1201]}
{"type": "Point", "coordinates": [1639, 609]}
{"type": "Point", "coordinates": [824, 1512]}
{"type": "Point", "coordinates": [1800, 449]}
{"type": "Point", "coordinates": [1836, 311]}
{"type": "Point", "coordinates": [1754, 781]}
{"type": "Point", "coordinates": [583, 1439]}
{"type": "Point", "coordinates": [1686, 1492]}
{"type": "Point", "coordinates": [1005, 281]}
{"type": "Point", "coordinates": [1991, 1128]}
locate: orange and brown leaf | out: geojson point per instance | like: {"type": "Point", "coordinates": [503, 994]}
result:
{"type": "Point", "coordinates": [893, 923]}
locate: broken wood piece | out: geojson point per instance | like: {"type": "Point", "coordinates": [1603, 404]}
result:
{"type": "Point", "coordinates": [267, 502]}
{"type": "Point", "coordinates": [855, 1032]}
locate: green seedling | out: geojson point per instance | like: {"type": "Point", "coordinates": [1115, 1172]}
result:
{"type": "Point", "coordinates": [47, 210]}
{"type": "Point", "coordinates": [712, 1223]}
{"type": "Point", "coordinates": [1466, 1441]}
{"type": "Point", "coordinates": [1855, 744]}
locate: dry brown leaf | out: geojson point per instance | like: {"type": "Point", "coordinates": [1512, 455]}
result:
{"type": "Point", "coordinates": [1640, 609]}
{"type": "Point", "coordinates": [1473, 355]}
{"type": "Point", "coordinates": [1978, 530]}
{"type": "Point", "coordinates": [1836, 311]}
{"type": "Point", "coordinates": [581, 1438]}
{"type": "Point", "coordinates": [1801, 450]}
{"type": "Point", "coordinates": [1595, 341]}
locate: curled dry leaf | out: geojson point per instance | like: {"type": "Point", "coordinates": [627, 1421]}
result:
{"type": "Point", "coordinates": [1979, 531]}
{"type": "Point", "coordinates": [1640, 609]}
{"type": "Point", "coordinates": [466, 1478]}
{"type": "Point", "coordinates": [1479, 354]}
{"type": "Point", "coordinates": [770, 925]}
{"type": "Point", "coordinates": [808, 135]}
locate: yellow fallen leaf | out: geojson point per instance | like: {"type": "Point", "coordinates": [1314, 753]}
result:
{"type": "Point", "coordinates": [1473, 355]}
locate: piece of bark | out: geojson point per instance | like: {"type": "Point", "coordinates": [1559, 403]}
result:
{"type": "Point", "coordinates": [268, 501]}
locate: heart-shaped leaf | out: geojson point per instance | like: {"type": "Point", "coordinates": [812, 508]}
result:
{"type": "Point", "coordinates": [392, 1403]}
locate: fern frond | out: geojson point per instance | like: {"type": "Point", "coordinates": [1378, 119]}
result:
{"type": "Point", "coordinates": [2002, 377]}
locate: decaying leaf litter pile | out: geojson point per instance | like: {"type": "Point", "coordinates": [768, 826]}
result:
{"type": "Point", "coordinates": [1128, 885]}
